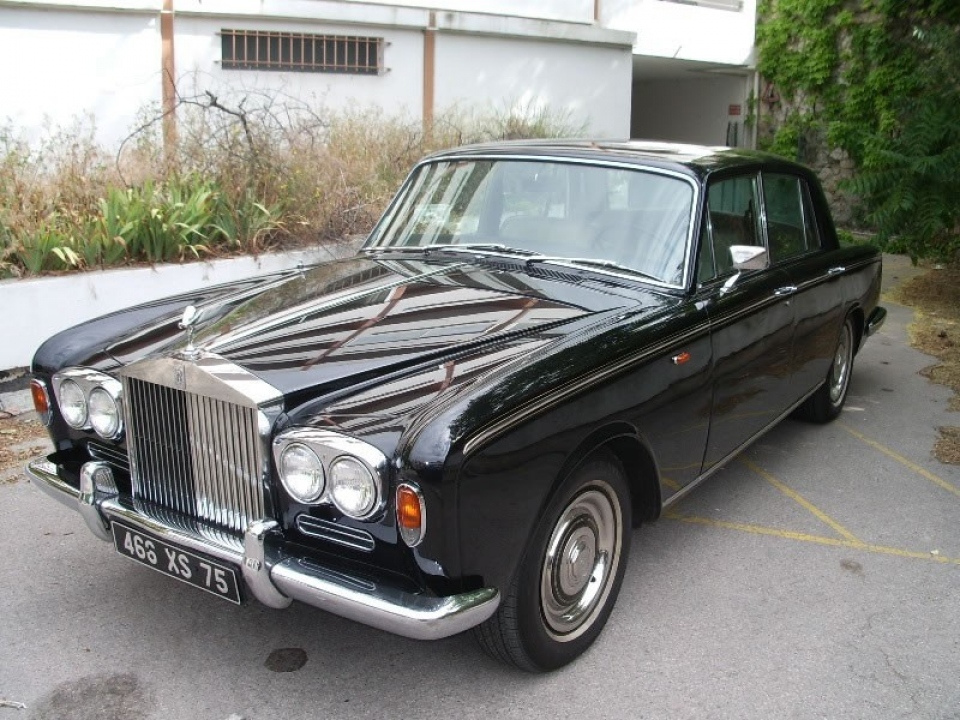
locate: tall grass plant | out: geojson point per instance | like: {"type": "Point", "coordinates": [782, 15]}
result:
{"type": "Point", "coordinates": [246, 175]}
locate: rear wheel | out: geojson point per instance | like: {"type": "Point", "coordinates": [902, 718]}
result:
{"type": "Point", "coordinates": [570, 575]}
{"type": "Point", "coordinates": [827, 402]}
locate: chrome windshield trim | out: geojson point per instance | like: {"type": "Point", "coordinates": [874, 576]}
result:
{"type": "Point", "coordinates": [388, 215]}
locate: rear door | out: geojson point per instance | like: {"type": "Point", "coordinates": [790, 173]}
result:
{"type": "Point", "coordinates": [796, 247]}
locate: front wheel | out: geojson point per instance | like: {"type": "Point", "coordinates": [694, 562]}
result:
{"type": "Point", "coordinates": [570, 575]}
{"type": "Point", "coordinates": [827, 402]}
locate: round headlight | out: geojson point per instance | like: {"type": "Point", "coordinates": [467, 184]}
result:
{"type": "Point", "coordinates": [301, 473]}
{"type": "Point", "coordinates": [104, 413]}
{"type": "Point", "coordinates": [353, 487]}
{"type": "Point", "coordinates": [73, 405]}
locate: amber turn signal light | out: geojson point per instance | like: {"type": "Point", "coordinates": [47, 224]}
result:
{"type": "Point", "coordinates": [41, 400]}
{"type": "Point", "coordinates": [411, 514]}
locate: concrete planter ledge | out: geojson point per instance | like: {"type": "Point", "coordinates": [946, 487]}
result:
{"type": "Point", "coordinates": [33, 309]}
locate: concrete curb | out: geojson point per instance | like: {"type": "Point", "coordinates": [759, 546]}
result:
{"type": "Point", "coordinates": [36, 308]}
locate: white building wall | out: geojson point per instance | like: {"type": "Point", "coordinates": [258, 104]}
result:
{"type": "Point", "coordinates": [62, 64]}
{"type": "Point", "coordinates": [399, 89]}
{"type": "Point", "coordinates": [589, 83]}
{"type": "Point", "coordinates": [102, 58]}
{"type": "Point", "coordinates": [690, 111]}
{"type": "Point", "coordinates": [686, 31]}
{"type": "Point", "coordinates": [566, 10]}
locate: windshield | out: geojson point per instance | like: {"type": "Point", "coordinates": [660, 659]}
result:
{"type": "Point", "coordinates": [636, 220]}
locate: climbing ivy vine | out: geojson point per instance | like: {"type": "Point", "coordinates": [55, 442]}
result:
{"type": "Point", "coordinates": [880, 80]}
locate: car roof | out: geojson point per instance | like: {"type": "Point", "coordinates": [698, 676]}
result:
{"type": "Point", "coordinates": [699, 160]}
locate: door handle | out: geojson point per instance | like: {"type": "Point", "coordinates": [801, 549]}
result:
{"type": "Point", "coordinates": [839, 269]}
{"type": "Point", "coordinates": [785, 290]}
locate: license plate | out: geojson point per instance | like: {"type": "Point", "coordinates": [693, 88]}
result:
{"type": "Point", "coordinates": [198, 571]}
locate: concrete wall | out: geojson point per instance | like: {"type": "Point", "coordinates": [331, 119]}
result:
{"type": "Point", "coordinates": [685, 31]}
{"type": "Point", "coordinates": [692, 111]}
{"type": "Point", "coordinates": [566, 10]}
{"type": "Point", "coordinates": [37, 308]}
{"type": "Point", "coordinates": [58, 65]}
{"type": "Point", "coordinates": [103, 58]}
{"type": "Point", "coordinates": [590, 85]}
{"type": "Point", "coordinates": [198, 49]}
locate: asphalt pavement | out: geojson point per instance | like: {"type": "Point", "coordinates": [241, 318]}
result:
{"type": "Point", "coordinates": [817, 576]}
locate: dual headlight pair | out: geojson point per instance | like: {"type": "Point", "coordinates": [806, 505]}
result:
{"type": "Point", "coordinates": [319, 467]}
{"type": "Point", "coordinates": [89, 399]}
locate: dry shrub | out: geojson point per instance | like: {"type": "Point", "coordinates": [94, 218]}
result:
{"type": "Point", "coordinates": [250, 171]}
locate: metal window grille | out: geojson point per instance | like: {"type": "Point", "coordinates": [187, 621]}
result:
{"type": "Point", "coordinates": [301, 52]}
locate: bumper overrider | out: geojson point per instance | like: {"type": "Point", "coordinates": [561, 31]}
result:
{"type": "Point", "coordinates": [273, 578]}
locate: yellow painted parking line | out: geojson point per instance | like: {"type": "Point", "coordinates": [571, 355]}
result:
{"type": "Point", "coordinates": [802, 501]}
{"type": "Point", "coordinates": [902, 460]}
{"type": "Point", "coordinates": [670, 483]}
{"type": "Point", "coordinates": [817, 539]}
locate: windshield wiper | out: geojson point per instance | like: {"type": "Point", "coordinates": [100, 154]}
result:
{"type": "Point", "coordinates": [482, 248]}
{"type": "Point", "coordinates": [419, 249]}
{"type": "Point", "coordinates": [492, 248]}
{"type": "Point", "coordinates": [593, 262]}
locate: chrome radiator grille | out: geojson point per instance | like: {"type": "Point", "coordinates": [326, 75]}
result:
{"type": "Point", "coordinates": [194, 454]}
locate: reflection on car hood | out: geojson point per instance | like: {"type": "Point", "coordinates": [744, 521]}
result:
{"type": "Point", "coordinates": [340, 323]}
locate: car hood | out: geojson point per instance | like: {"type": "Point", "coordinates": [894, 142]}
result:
{"type": "Point", "coordinates": [341, 323]}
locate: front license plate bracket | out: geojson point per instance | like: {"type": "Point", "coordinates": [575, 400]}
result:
{"type": "Point", "coordinates": [212, 576]}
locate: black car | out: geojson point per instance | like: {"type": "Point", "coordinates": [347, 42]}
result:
{"type": "Point", "coordinates": [540, 345]}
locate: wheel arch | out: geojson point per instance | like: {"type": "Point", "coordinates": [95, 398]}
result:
{"type": "Point", "coordinates": [635, 457]}
{"type": "Point", "coordinates": [859, 321]}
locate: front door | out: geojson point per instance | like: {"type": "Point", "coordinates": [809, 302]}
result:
{"type": "Point", "coordinates": [751, 320]}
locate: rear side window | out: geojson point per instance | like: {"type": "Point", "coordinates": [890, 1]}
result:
{"type": "Point", "coordinates": [791, 228]}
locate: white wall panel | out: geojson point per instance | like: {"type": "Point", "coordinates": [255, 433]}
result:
{"type": "Point", "coordinates": [398, 90]}
{"type": "Point", "coordinates": [567, 10]}
{"type": "Point", "coordinates": [590, 83]}
{"type": "Point", "coordinates": [61, 64]}
{"type": "Point", "coordinates": [684, 31]}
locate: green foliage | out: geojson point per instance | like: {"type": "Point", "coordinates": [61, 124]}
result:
{"type": "Point", "coordinates": [878, 79]}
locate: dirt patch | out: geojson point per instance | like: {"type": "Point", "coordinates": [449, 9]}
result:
{"type": "Point", "coordinates": [935, 296]}
{"type": "Point", "coordinates": [947, 447]}
{"type": "Point", "coordinates": [20, 441]}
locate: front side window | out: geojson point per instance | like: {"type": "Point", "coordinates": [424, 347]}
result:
{"type": "Point", "coordinates": [636, 219]}
{"type": "Point", "coordinates": [732, 219]}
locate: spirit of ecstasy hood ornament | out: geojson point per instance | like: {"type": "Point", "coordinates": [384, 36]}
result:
{"type": "Point", "coordinates": [191, 316]}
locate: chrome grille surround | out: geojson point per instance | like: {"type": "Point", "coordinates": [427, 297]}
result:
{"type": "Point", "coordinates": [198, 439]}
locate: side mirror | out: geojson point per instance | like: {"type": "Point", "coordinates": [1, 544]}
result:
{"type": "Point", "coordinates": [748, 257]}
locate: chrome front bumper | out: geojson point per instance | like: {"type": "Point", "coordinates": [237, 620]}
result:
{"type": "Point", "coordinates": [275, 580]}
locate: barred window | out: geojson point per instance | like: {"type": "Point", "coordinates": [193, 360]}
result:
{"type": "Point", "coordinates": [301, 52]}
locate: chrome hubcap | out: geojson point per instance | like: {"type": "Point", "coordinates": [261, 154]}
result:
{"type": "Point", "coordinates": [840, 372]}
{"type": "Point", "coordinates": [581, 559]}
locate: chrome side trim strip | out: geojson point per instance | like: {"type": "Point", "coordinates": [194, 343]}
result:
{"type": "Point", "coordinates": [682, 492]}
{"type": "Point", "coordinates": [275, 580]}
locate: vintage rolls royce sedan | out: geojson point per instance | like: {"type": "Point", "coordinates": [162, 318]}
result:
{"type": "Point", "coordinates": [539, 346]}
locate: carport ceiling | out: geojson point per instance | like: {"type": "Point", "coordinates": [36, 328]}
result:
{"type": "Point", "coordinates": [646, 67]}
